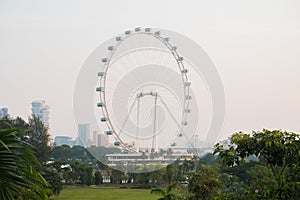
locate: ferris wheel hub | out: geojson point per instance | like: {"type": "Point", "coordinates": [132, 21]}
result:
{"type": "Point", "coordinates": [141, 94]}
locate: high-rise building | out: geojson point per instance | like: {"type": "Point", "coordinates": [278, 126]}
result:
{"type": "Point", "coordinates": [42, 111]}
{"type": "Point", "coordinates": [95, 138]}
{"type": "Point", "coordinates": [84, 134]}
{"type": "Point", "coordinates": [61, 140]}
{"type": "Point", "coordinates": [103, 140]}
{"type": "Point", "coordinates": [3, 113]}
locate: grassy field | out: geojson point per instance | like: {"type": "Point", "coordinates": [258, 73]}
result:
{"type": "Point", "coordinates": [105, 194]}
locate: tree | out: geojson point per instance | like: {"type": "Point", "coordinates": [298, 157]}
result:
{"type": "Point", "coordinates": [33, 133]}
{"type": "Point", "coordinates": [178, 172]}
{"type": "Point", "coordinates": [167, 194]}
{"type": "Point", "coordinates": [169, 173]}
{"type": "Point", "coordinates": [18, 122]}
{"type": "Point", "coordinates": [80, 153]}
{"type": "Point", "coordinates": [157, 176]}
{"type": "Point", "coordinates": [188, 166]}
{"type": "Point", "coordinates": [279, 149]}
{"type": "Point", "coordinates": [36, 138]}
{"type": "Point", "coordinates": [261, 182]}
{"type": "Point", "coordinates": [205, 183]}
{"type": "Point", "coordinates": [234, 188]}
{"type": "Point", "coordinates": [39, 139]}
{"type": "Point", "coordinates": [183, 193]}
{"type": "Point", "coordinates": [54, 179]}
{"type": "Point", "coordinates": [98, 178]}
{"type": "Point", "coordinates": [86, 175]}
{"type": "Point", "coordinates": [116, 176]}
{"type": "Point", "coordinates": [209, 159]}
{"type": "Point", "coordinates": [74, 172]}
{"type": "Point", "coordinates": [54, 173]}
{"type": "Point", "coordinates": [17, 168]}
{"type": "Point", "coordinates": [62, 153]}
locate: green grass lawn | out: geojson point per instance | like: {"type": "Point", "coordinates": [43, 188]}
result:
{"type": "Point", "coordinates": [105, 194]}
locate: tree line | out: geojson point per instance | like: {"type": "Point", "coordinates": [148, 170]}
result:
{"type": "Point", "coordinates": [258, 165]}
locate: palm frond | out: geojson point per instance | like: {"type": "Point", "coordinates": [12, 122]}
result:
{"type": "Point", "coordinates": [158, 191]}
{"type": "Point", "coordinates": [17, 167]}
{"type": "Point", "coordinates": [170, 188]}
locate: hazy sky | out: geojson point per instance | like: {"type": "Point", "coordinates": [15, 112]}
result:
{"type": "Point", "coordinates": [255, 46]}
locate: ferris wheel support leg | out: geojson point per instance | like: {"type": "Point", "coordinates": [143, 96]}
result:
{"type": "Point", "coordinates": [137, 126]}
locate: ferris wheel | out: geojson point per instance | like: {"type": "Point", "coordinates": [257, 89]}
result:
{"type": "Point", "coordinates": [144, 92]}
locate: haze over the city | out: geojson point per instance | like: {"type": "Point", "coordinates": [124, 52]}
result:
{"type": "Point", "coordinates": [255, 46]}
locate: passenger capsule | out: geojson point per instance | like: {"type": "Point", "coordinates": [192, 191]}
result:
{"type": "Point", "coordinates": [99, 89]}
{"type": "Point", "coordinates": [184, 123]}
{"type": "Point", "coordinates": [185, 71]}
{"type": "Point", "coordinates": [108, 132]}
{"type": "Point", "coordinates": [188, 110]}
{"type": "Point", "coordinates": [100, 74]}
{"type": "Point", "coordinates": [180, 59]}
{"type": "Point", "coordinates": [187, 83]}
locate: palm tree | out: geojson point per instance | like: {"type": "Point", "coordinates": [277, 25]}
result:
{"type": "Point", "coordinates": [17, 168]}
{"type": "Point", "coordinates": [167, 194]}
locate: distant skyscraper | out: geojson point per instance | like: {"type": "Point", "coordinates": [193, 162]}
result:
{"type": "Point", "coordinates": [84, 134]}
{"type": "Point", "coordinates": [61, 140]}
{"type": "Point", "coordinates": [3, 112]}
{"type": "Point", "coordinates": [95, 138]}
{"type": "Point", "coordinates": [41, 110]}
{"type": "Point", "coordinates": [103, 140]}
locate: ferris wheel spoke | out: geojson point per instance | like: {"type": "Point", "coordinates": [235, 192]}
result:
{"type": "Point", "coordinates": [169, 111]}
{"type": "Point", "coordinates": [127, 117]}
{"type": "Point", "coordinates": [174, 119]}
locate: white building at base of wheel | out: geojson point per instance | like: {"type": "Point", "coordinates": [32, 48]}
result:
{"type": "Point", "coordinates": [142, 158]}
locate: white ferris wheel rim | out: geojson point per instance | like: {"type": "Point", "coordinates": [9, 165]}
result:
{"type": "Point", "coordinates": [108, 61]}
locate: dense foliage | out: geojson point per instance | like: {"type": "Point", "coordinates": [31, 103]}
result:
{"type": "Point", "coordinates": [33, 139]}
{"type": "Point", "coordinates": [276, 176]}
{"type": "Point", "coordinates": [243, 168]}
{"type": "Point", "coordinates": [19, 177]}
{"type": "Point", "coordinates": [260, 165]}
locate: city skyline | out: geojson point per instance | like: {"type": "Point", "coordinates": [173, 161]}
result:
{"type": "Point", "coordinates": [254, 47]}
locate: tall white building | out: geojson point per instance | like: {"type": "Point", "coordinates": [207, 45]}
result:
{"type": "Point", "coordinates": [3, 113]}
{"type": "Point", "coordinates": [84, 134]}
{"type": "Point", "coordinates": [42, 111]}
